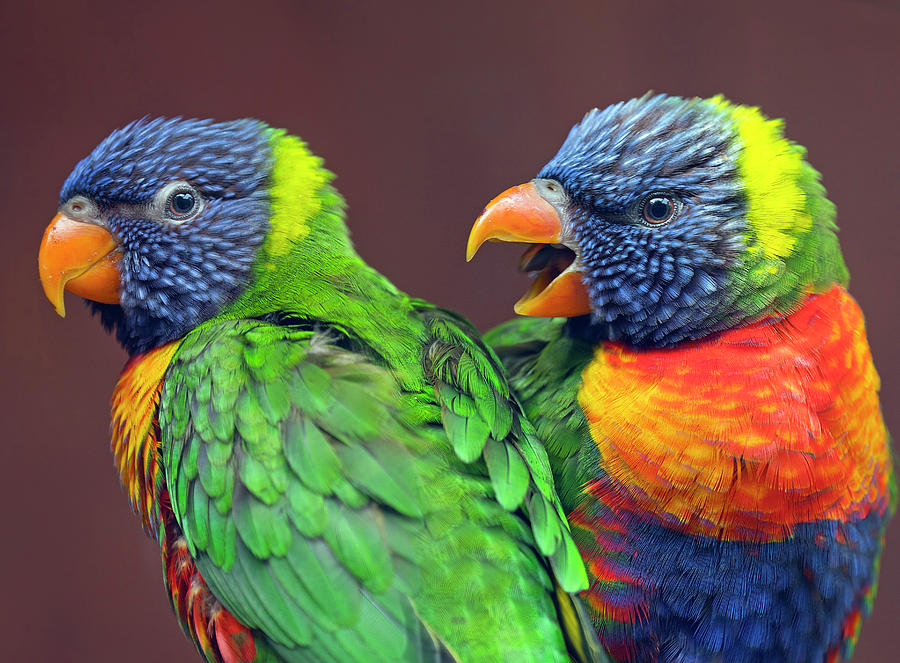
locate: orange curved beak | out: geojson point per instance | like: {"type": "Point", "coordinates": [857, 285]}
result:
{"type": "Point", "coordinates": [81, 258]}
{"type": "Point", "coordinates": [521, 214]}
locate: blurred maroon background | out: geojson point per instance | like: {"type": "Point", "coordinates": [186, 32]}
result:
{"type": "Point", "coordinates": [425, 113]}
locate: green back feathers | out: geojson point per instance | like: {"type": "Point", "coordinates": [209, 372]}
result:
{"type": "Point", "coordinates": [791, 241]}
{"type": "Point", "coordinates": [307, 266]}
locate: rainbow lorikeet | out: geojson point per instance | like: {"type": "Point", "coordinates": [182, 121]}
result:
{"type": "Point", "coordinates": [334, 471]}
{"type": "Point", "coordinates": [703, 382]}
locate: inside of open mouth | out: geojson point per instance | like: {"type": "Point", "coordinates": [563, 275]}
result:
{"type": "Point", "coordinates": [546, 258]}
{"type": "Point", "coordinates": [546, 262]}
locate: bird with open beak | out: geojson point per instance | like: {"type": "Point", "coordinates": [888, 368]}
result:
{"type": "Point", "coordinates": [702, 380]}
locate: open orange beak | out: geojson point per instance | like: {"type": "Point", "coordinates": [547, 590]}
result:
{"type": "Point", "coordinates": [521, 214]}
{"type": "Point", "coordinates": [79, 257]}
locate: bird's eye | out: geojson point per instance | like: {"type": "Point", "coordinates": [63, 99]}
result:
{"type": "Point", "coordinates": [177, 202]}
{"type": "Point", "coordinates": [181, 204]}
{"type": "Point", "coordinates": [659, 209]}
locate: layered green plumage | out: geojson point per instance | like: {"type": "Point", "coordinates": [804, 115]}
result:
{"type": "Point", "coordinates": [334, 471]}
{"type": "Point", "coordinates": [316, 496]}
{"type": "Point", "coordinates": [545, 367]}
{"type": "Point", "coordinates": [351, 475]}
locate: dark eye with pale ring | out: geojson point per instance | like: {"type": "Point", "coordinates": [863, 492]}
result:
{"type": "Point", "coordinates": [176, 203]}
{"type": "Point", "coordinates": [181, 204]}
{"type": "Point", "coordinates": [659, 209]}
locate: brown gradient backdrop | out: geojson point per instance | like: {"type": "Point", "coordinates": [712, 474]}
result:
{"type": "Point", "coordinates": [425, 114]}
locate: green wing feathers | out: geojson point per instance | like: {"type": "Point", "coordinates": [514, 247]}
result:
{"type": "Point", "coordinates": [483, 420]}
{"type": "Point", "coordinates": [545, 367]}
{"type": "Point", "coordinates": [295, 483]}
{"type": "Point", "coordinates": [338, 515]}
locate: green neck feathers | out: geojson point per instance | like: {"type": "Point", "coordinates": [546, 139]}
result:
{"type": "Point", "coordinates": [307, 266]}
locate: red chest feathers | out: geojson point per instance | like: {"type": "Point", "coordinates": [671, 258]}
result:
{"type": "Point", "coordinates": [749, 433]}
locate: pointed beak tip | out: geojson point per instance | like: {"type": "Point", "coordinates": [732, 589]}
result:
{"type": "Point", "coordinates": [56, 301]}
{"type": "Point", "coordinates": [472, 249]}
{"type": "Point", "coordinates": [56, 298]}
{"type": "Point", "coordinates": [53, 286]}
{"type": "Point", "coordinates": [478, 235]}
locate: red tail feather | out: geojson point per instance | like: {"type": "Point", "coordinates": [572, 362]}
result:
{"type": "Point", "coordinates": [235, 641]}
{"type": "Point", "coordinates": [218, 635]}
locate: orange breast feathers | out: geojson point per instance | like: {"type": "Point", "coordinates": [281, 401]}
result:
{"type": "Point", "coordinates": [748, 434]}
{"type": "Point", "coordinates": [134, 430]}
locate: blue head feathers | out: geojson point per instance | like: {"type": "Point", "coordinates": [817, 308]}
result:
{"type": "Point", "coordinates": [654, 283]}
{"type": "Point", "coordinates": [188, 201]}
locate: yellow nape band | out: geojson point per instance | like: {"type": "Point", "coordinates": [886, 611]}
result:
{"type": "Point", "coordinates": [297, 178]}
{"type": "Point", "coordinates": [771, 167]}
